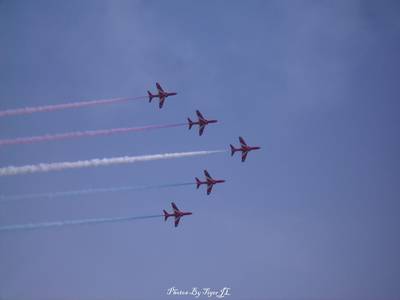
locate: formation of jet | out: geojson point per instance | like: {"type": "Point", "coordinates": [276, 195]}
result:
{"type": "Point", "coordinates": [177, 214]}
{"type": "Point", "coordinates": [162, 95]}
{"type": "Point", "coordinates": [244, 148]}
{"type": "Point", "coordinates": [202, 122]}
{"type": "Point", "coordinates": [209, 182]}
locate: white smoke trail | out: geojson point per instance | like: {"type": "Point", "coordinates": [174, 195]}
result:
{"type": "Point", "coordinates": [97, 162]}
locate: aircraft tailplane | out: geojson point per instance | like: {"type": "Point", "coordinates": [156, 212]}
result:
{"type": "Point", "coordinates": [150, 96]}
{"type": "Point", "coordinates": [166, 215]}
{"type": "Point", "coordinates": [233, 150]}
{"type": "Point", "coordinates": [190, 123]}
{"type": "Point", "coordinates": [198, 183]}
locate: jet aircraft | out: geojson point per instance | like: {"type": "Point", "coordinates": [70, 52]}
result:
{"type": "Point", "coordinates": [202, 122]}
{"type": "Point", "coordinates": [209, 182]}
{"type": "Point", "coordinates": [244, 148]}
{"type": "Point", "coordinates": [162, 95]}
{"type": "Point", "coordinates": [177, 214]}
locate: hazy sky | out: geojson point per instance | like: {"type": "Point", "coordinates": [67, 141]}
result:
{"type": "Point", "coordinates": [313, 215]}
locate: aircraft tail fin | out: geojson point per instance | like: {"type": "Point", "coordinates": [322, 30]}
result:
{"type": "Point", "coordinates": [150, 96]}
{"type": "Point", "coordinates": [233, 150]}
{"type": "Point", "coordinates": [165, 215]}
{"type": "Point", "coordinates": [198, 183]}
{"type": "Point", "coordinates": [190, 123]}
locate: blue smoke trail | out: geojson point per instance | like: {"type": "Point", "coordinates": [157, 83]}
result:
{"type": "Point", "coordinates": [31, 226]}
{"type": "Point", "coordinates": [6, 198]}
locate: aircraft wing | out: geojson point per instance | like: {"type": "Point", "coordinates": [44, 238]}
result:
{"type": "Point", "coordinates": [244, 155]}
{"type": "Point", "coordinates": [199, 115]}
{"type": "Point", "coordinates": [242, 142]}
{"type": "Point", "coordinates": [174, 207]}
{"type": "Point", "coordinates": [208, 176]}
{"type": "Point", "coordinates": [162, 99]}
{"type": "Point", "coordinates": [209, 189]}
{"type": "Point", "coordinates": [159, 88]}
{"type": "Point", "coordinates": [201, 129]}
{"type": "Point", "coordinates": [177, 219]}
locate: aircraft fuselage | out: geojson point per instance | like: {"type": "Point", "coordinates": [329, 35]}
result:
{"type": "Point", "coordinates": [214, 181]}
{"type": "Point", "coordinates": [248, 148]}
{"type": "Point", "coordinates": [165, 95]}
{"type": "Point", "coordinates": [204, 122]}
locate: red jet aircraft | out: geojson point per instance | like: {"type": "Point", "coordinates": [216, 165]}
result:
{"type": "Point", "coordinates": [161, 95]}
{"type": "Point", "coordinates": [209, 182]}
{"type": "Point", "coordinates": [244, 148]}
{"type": "Point", "coordinates": [202, 122]}
{"type": "Point", "coordinates": [176, 213]}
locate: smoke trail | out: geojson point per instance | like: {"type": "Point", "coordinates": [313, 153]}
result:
{"type": "Point", "coordinates": [48, 108]}
{"type": "Point", "coordinates": [97, 162]}
{"type": "Point", "coordinates": [5, 198]}
{"type": "Point", "coordinates": [79, 134]}
{"type": "Point", "coordinates": [31, 226]}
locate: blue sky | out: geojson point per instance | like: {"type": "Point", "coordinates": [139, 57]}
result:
{"type": "Point", "coordinates": [314, 215]}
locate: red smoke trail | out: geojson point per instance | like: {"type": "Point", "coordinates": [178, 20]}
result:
{"type": "Point", "coordinates": [48, 108]}
{"type": "Point", "coordinates": [79, 134]}
{"type": "Point", "coordinates": [31, 226]}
